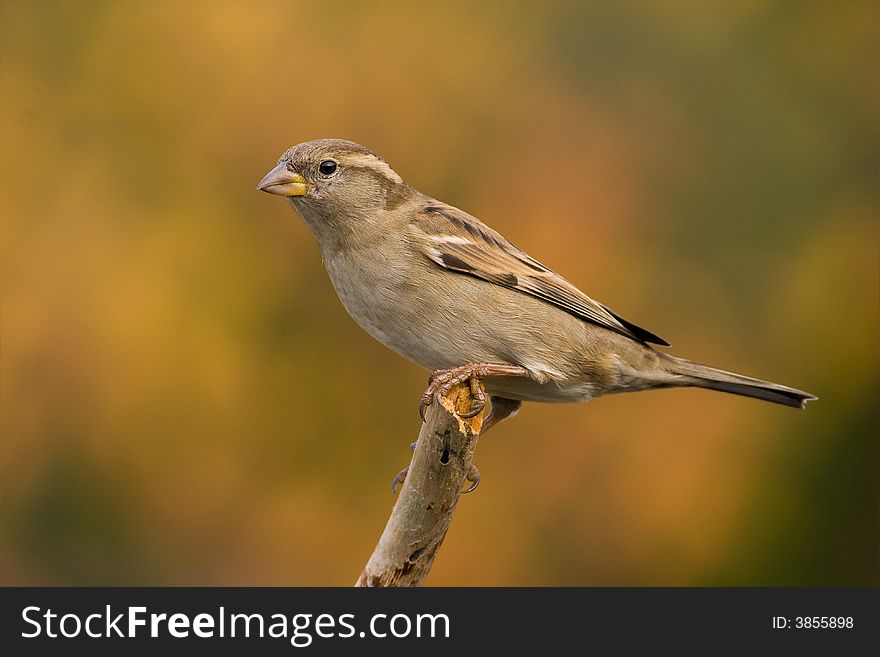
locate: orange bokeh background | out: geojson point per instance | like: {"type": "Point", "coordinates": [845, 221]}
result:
{"type": "Point", "coordinates": [185, 401]}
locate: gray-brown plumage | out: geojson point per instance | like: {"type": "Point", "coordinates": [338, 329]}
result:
{"type": "Point", "coordinates": [444, 290]}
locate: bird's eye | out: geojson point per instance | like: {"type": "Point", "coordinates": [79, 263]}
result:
{"type": "Point", "coordinates": [327, 167]}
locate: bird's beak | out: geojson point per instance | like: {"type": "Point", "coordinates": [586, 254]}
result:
{"type": "Point", "coordinates": [283, 182]}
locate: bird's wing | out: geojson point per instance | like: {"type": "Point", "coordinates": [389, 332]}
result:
{"type": "Point", "coordinates": [459, 242]}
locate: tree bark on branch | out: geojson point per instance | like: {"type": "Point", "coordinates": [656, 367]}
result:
{"type": "Point", "coordinates": [423, 512]}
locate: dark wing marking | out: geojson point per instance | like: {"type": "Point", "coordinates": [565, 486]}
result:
{"type": "Point", "coordinates": [459, 242]}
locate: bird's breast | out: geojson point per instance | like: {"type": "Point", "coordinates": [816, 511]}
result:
{"type": "Point", "coordinates": [383, 301]}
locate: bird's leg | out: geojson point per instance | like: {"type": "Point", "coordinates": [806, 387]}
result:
{"type": "Point", "coordinates": [442, 381]}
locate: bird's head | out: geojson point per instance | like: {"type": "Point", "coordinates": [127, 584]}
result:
{"type": "Point", "coordinates": [336, 186]}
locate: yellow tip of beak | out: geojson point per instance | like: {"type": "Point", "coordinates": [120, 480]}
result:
{"type": "Point", "coordinates": [283, 182]}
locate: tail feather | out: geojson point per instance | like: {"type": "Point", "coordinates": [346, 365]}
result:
{"type": "Point", "coordinates": [703, 376]}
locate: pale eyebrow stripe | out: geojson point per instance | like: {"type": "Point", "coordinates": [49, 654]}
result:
{"type": "Point", "coordinates": [374, 163]}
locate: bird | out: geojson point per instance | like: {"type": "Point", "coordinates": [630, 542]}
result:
{"type": "Point", "coordinates": [447, 292]}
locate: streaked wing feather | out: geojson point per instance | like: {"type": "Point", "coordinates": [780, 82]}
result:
{"type": "Point", "coordinates": [459, 242]}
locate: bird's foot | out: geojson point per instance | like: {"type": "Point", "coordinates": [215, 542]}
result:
{"type": "Point", "coordinates": [442, 381]}
{"type": "Point", "coordinates": [473, 476]}
{"type": "Point", "coordinates": [398, 480]}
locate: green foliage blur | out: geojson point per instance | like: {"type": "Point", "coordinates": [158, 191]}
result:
{"type": "Point", "coordinates": [185, 401]}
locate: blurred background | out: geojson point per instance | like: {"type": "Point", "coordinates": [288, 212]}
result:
{"type": "Point", "coordinates": [185, 401]}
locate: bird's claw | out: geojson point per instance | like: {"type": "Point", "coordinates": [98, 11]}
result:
{"type": "Point", "coordinates": [401, 476]}
{"type": "Point", "coordinates": [423, 404]}
{"type": "Point", "coordinates": [473, 476]}
{"type": "Point", "coordinates": [478, 398]}
{"type": "Point", "coordinates": [442, 381]}
{"type": "Point", "coordinates": [398, 479]}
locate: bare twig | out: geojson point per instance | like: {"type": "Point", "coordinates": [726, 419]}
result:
{"type": "Point", "coordinates": [422, 514]}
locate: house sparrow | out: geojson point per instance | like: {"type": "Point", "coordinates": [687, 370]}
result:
{"type": "Point", "coordinates": [444, 290]}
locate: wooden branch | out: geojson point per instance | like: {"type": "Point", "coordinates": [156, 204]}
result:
{"type": "Point", "coordinates": [422, 514]}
